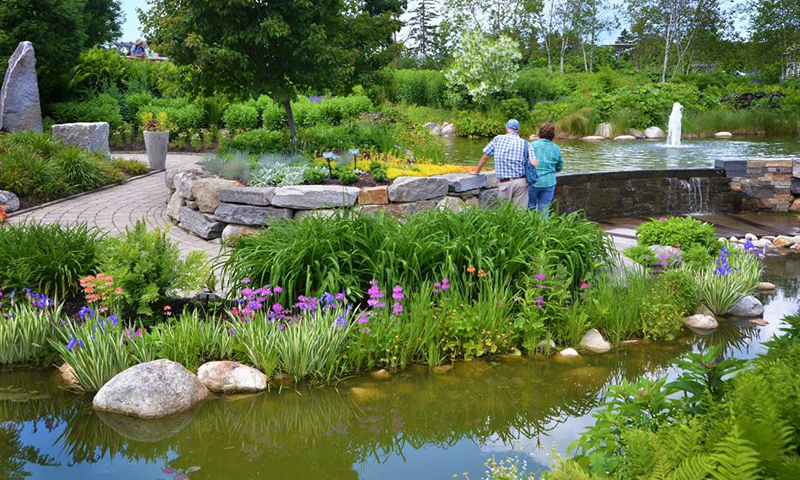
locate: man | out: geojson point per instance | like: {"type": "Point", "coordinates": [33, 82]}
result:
{"type": "Point", "coordinates": [510, 154]}
{"type": "Point", "coordinates": [138, 49]}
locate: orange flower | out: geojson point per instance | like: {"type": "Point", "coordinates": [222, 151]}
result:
{"type": "Point", "coordinates": [118, 291]}
{"type": "Point", "coordinates": [471, 269]}
{"type": "Point", "coordinates": [482, 273]}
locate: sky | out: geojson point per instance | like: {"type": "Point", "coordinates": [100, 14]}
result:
{"type": "Point", "coordinates": [131, 30]}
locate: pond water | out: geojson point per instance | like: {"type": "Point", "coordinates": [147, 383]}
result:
{"type": "Point", "coordinates": [414, 425]}
{"type": "Point", "coordinates": [582, 156]}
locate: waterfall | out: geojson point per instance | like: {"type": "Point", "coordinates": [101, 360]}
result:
{"type": "Point", "coordinates": [674, 128]}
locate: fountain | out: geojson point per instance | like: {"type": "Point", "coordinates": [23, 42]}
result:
{"type": "Point", "coordinates": [674, 128]}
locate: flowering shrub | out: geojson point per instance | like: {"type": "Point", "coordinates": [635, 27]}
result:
{"type": "Point", "coordinates": [482, 67]}
{"type": "Point", "coordinates": [101, 292]}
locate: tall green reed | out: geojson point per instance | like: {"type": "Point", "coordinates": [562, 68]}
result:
{"type": "Point", "coordinates": [191, 340]}
{"type": "Point", "coordinates": [350, 249]}
{"type": "Point", "coordinates": [26, 331]}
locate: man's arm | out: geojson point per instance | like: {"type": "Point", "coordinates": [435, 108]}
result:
{"type": "Point", "coordinates": [481, 163]}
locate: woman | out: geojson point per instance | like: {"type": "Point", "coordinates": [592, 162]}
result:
{"type": "Point", "coordinates": [549, 155]}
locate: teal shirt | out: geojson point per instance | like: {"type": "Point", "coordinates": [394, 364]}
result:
{"type": "Point", "coordinates": [550, 162]}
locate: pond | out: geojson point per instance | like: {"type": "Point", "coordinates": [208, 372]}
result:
{"type": "Point", "coordinates": [583, 156]}
{"type": "Point", "coordinates": [416, 424]}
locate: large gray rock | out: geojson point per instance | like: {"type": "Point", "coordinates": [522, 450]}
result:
{"type": "Point", "coordinates": [19, 96]}
{"type": "Point", "coordinates": [429, 126]}
{"type": "Point", "coordinates": [169, 175]}
{"type": "Point", "coordinates": [654, 132]}
{"type": "Point", "coordinates": [322, 213]}
{"type": "Point", "coordinates": [91, 136]}
{"type": "Point", "coordinates": [183, 181]}
{"type": "Point", "coordinates": [454, 204]}
{"type": "Point", "coordinates": [312, 197]}
{"type": "Point", "coordinates": [10, 200]}
{"type": "Point", "coordinates": [701, 322]}
{"type": "Point", "coordinates": [203, 225]}
{"type": "Point", "coordinates": [156, 389]}
{"type": "Point", "coordinates": [664, 252]}
{"type": "Point", "coordinates": [605, 130]}
{"type": "Point", "coordinates": [231, 377]}
{"type": "Point", "coordinates": [488, 197]}
{"type": "Point", "coordinates": [637, 134]}
{"type": "Point", "coordinates": [206, 192]}
{"type": "Point", "coordinates": [413, 189]}
{"type": "Point", "coordinates": [748, 306]}
{"type": "Point", "coordinates": [250, 215]}
{"type": "Point", "coordinates": [594, 342]}
{"type": "Point", "coordinates": [463, 182]}
{"type": "Point", "coordinates": [258, 196]}
{"type": "Point", "coordinates": [176, 203]}
{"type": "Point", "coordinates": [238, 231]}
{"type": "Point", "coordinates": [448, 130]}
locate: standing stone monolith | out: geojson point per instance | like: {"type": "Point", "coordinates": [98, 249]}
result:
{"type": "Point", "coordinates": [19, 97]}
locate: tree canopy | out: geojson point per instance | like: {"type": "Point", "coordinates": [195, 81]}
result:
{"type": "Point", "coordinates": [278, 48]}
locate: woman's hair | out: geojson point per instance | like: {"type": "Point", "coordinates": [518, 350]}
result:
{"type": "Point", "coordinates": [548, 131]}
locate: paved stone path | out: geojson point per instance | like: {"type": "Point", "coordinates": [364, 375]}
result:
{"type": "Point", "coordinates": [121, 206]}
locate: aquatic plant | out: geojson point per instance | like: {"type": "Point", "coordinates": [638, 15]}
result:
{"type": "Point", "coordinates": [27, 325]}
{"type": "Point", "coordinates": [95, 347]}
{"type": "Point", "coordinates": [191, 340]}
{"type": "Point", "coordinates": [735, 274]}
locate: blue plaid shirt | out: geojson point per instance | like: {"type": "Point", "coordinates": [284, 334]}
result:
{"type": "Point", "coordinates": [509, 155]}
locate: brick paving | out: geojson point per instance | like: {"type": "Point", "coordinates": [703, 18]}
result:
{"type": "Point", "coordinates": [121, 206]}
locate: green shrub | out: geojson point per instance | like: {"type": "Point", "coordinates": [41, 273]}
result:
{"type": "Point", "coordinates": [148, 268]}
{"type": "Point", "coordinates": [420, 87]}
{"type": "Point", "coordinates": [273, 116]}
{"type": "Point", "coordinates": [478, 126]}
{"type": "Point", "coordinates": [515, 108]}
{"type": "Point", "coordinates": [184, 117]}
{"type": "Point", "coordinates": [314, 175]}
{"type": "Point", "coordinates": [240, 117]}
{"type": "Point", "coordinates": [259, 141]}
{"type": "Point", "coordinates": [684, 232]}
{"type": "Point", "coordinates": [49, 258]}
{"type": "Point", "coordinates": [641, 254]}
{"type": "Point", "coordinates": [101, 108]}
{"type": "Point", "coordinates": [345, 175]}
{"type": "Point", "coordinates": [133, 104]}
{"type": "Point", "coordinates": [535, 86]}
{"type": "Point", "coordinates": [379, 171]}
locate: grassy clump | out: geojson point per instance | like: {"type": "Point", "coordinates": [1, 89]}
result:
{"type": "Point", "coordinates": [49, 258]}
{"type": "Point", "coordinates": [34, 165]}
{"type": "Point", "coordinates": [349, 250]}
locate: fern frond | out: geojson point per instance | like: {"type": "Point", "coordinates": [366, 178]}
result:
{"type": "Point", "coordinates": [696, 467]}
{"type": "Point", "coordinates": [736, 458]}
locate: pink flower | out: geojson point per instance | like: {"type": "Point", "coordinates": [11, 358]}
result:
{"type": "Point", "coordinates": [245, 281]}
{"type": "Point", "coordinates": [584, 285]}
{"type": "Point", "coordinates": [277, 290]}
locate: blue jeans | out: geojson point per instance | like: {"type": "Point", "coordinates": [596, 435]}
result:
{"type": "Point", "coordinates": [540, 198]}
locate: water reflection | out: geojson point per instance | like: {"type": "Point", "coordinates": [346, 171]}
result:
{"type": "Point", "coordinates": [416, 424]}
{"type": "Point", "coordinates": [581, 156]}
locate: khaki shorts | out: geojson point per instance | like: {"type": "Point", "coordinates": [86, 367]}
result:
{"type": "Point", "coordinates": [514, 191]}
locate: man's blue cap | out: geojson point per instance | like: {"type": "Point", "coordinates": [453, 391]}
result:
{"type": "Point", "coordinates": [513, 124]}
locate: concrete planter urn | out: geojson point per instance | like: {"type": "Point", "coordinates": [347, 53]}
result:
{"type": "Point", "coordinates": [156, 144]}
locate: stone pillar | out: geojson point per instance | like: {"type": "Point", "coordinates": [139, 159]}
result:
{"type": "Point", "coordinates": [91, 136]}
{"type": "Point", "coordinates": [19, 96]}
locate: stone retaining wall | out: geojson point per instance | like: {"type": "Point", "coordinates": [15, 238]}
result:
{"type": "Point", "coordinates": [212, 207]}
{"type": "Point", "coordinates": [765, 184]}
{"type": "Point", "coordinates": [645, 192]}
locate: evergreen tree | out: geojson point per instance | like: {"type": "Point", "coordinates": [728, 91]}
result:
{"type": "Point", "coordinates": [423, 30]}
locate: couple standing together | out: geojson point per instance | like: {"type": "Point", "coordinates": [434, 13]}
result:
{"type": "Point", "coordinates": [510, 153]}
